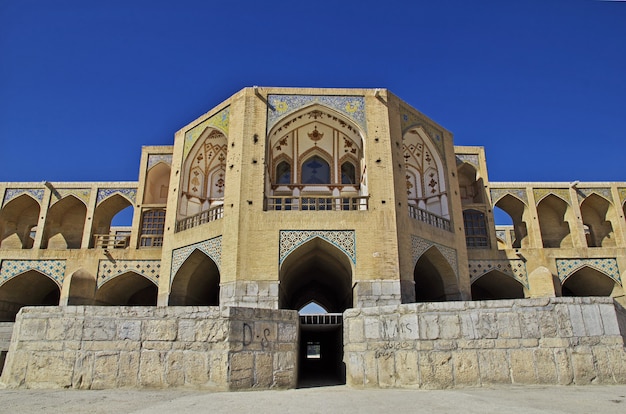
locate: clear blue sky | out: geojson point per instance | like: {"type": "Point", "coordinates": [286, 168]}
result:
{"type": "Point", "coordinates": [84, 84]}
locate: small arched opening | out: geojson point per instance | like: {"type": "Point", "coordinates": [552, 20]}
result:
{"type": "Point", "coordinates": [127, 289]}
{"type": "Point", "coordinates": [17, 221]}
{"type": "Point", "coordinates": [588, 282]}
{"type": "Point", "coordinates": [435, 280]}
{"type": "Point", "coordinates": [597, 213]}
{"type": "Point", "coordinates": [555, 230]}
{"type": "Point", "coordinates": [515, 209]}
{"type": "Point", "coordinates": [196, 283]}
{"type": "Point", "coordinates": [496, 285]}
{"type": "Point", "coordinates": [157, 184]}
{"type": "Point", "coordinates": [31, 288]}
{"type": "Point", "coordinates": [82, 288]}
{"type": "Point", "coordinates": [65, 224]}
{"type": "Point", "coordinates": [104, 234]}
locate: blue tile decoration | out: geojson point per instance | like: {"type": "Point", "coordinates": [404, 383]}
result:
{"type": "Point", "coordinates": [80, 193]}
{"type": "Point", "coordinates": [468, 158]}
{"type": "Point", "coordinates": [501, 234]}
{"type": "Point", "coordinates": [567, 267]}
{"type": "Point", "coordinates": [108, 269]}
{"type": "Point", "coordinates": [583, 193]}
{"type": "Point", "coordinates": [622, 195]}
{"type": "Point", "coordinates": [353, 107]}
{"type": "Point", "coordinates": [541, 193]}
{"type": "Point", "coordinates": [11, 193]}
{"type": "Point", "coordinates": [54, 269]}
{"type": "Point", "coordinates": [129, 193]}
{"type": "Point", "coordinates": [498, 193]}
{"type": "Point", "coordinates": [220, 121]}
{"type": "Point", "coordinates": [409, 118]}
{"type": "Point", "coordinates": [515, 268]}
{"type": "Point", "coordinates": [154, 159]}
{"type": "Point", "coordinates": [344, 240]}
{"type": "Point", "coordinates": [419, 246]}
{"type": "Point", "coordinates": [212, 248]}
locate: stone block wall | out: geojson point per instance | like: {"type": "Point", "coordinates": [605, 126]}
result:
{"type": "Point", "coordinates": [138, 347]}
{"type": "Point", "coordinates": [455, 344]}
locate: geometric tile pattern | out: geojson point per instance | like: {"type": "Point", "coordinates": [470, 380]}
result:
{"type": "Point", "coordinates": [468, 158]}
{"type": "Point", "coordinates": [281, 105]}
{"type": "Point", "coordinates": [541, 193]}
{"type": "Point", "coordinates": [54, 269]}
{"type": "Point", "coordinates": [107, 269]}
{"type": "Point", "coordinates": [409, 119]}
{"type": "Point", "coordinates": [80, 193]}
{"type": "Point", "coordinates": [212, 248]}
{"type": "Point", "coordinates": [344, 240]}
{"type": "Point", "coordinates": [154, 159]}
{"type": "Point", "coordinates": [498, 193]}
{"type": "Point", "coordinates": [586, 192]}
{"type": "Point", "coordinates": [11, 193]}
{"type": "Point", "coordinates": [219, 120]}
{"type": "Point", "coordinates": [129, 193]}
{"type": "Point", "coordinates": [419, 246]}
{"type": "Point", "coordinates": [566, 267]}
{"type": "Point", "coordinates": [514, 268]}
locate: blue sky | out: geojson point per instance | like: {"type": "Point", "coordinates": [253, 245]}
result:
{"type": "Point", "coordinates": [84, 84]}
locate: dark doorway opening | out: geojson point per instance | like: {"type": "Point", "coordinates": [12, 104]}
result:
{"type": "Point", "coordinates": [321, 351]}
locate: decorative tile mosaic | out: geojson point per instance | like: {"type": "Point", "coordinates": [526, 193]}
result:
{"type": "Point", "coordinates": [12, 193]}
{"type": "Point", "coordinates": [501, 234]}
{"type": "Point", "coordinates": [583, 193]}
{"type": "Point", "coordinates": [129, 193]}
{"type": "Point", "coordinates": [54, 269]}
{"type": "Point", "coordinates": [497, 194]}
{"type": "Point", "coordinates": [514, 268]}
{"type": "Point", "coordinates": [468, 158]}
{"type": "Point", "coordinates": [220, 121]}
{"type": "Point", "coordinates": [80, 193]}
{"type": "Point", "coordinates": [279, 106]}
{"type": "Point", "coordinates": [290, 240]}
{"type": "Point", "coordinates": [154, 159]}
{"type": "Point", "coordinates": [211, 247]}
{"type": "Point", "coordinates": [419, 246]}
{"type": "Point", "coordinates": [108, 269]}
{"type": "Point", "coordinates": [622, 195]}
{"type": "Point", "coordinates": [541, 193]}
{"type": "Point", "coordinates": [410, 119]}
{"type": "Point", "coordinates": [567, 267]}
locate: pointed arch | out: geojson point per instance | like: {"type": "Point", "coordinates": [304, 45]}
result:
{"type": "Point", "coordinates": [552, 213]}
{"type": "Point", "coordinates": [82, 288]}
{"type": "Point", "coordinates": [517, 210]}
{"type": "Point", "coordinates": [157, 183]}
{"type": "Point", "coordinates": [127, 289]}
{"type": "Point", "coordinates": [18, 218]}
{"type": "Point", "coordinates": [597, 214]}
{"type": "Point", "coordinates": [496, 285]}
{"type": "Point", "coordinates": [588, 281]}
{"type": "Point", "coordinates": [316, 271]}
{"type": "Point", "coordinates": [435, 279]}
{"type": "Point", "coordinates": [31, 288]}
{"type": "Point", "coordinates": [65, 223]}
{"type": "Point", "coordinates": [103, 216]}
{"type": "Point", "coordinates": [196, 282]}
{"type": "Point", "coordinates": [471, 184]}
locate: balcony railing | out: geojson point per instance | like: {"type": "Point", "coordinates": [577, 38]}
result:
{"type": "Point", "coordinates": [206, 216]}
{"type": "Point", "coordinates": [111, 241]}
{"type": "Point", "coordinates": [430, 218]}
{"type": "Point", "coordinates": [309, 203]}
{"type": "Point", "coordinates": [150, 240]}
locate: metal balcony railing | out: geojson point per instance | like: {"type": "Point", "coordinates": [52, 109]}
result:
{"type": "Point", "coordinates": [316, 203]}
{"type": "Point", "coordinates": [212, 214]}
{"type": "Point", "coordinates": [430, 218]}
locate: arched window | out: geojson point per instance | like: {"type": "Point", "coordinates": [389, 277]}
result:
{"type": "Point", "coordinates": [475, 229]}
{"type": "Point", "coordinates": [283, 173]}
{"type": "Point", "coordinates": [315, 170]}
{"type": "Point", "coordinates": [348, 173]}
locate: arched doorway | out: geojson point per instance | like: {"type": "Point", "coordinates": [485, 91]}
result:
{"type": "Point", "coordinates": [435, 280]}
{"type": "Point", "coordinates": [318, 272]}
{"type": "Point", "coordinates": [196, 283]}
{"type": "Point", "coordinates": [127, 289]}
{"type": "Point", "coordinates": [31, 288]}
{"type": "Point", "coordinates": [588, 282]}
{"type": "Point", "coordinates": [17, 220]}
{"type": "Point", "coordinates": [496, 285]}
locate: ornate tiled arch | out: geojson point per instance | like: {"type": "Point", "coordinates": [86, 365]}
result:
{"type": "Point", "coordinates": [11, 193]}
{"type": "Point", "coordinates": [567, 267]}
{"type": "Point", "coordinates": [108, 270]}
{"type": "Point", "coordinates": [212, 248]}
{"type": "Point", "coordinates": [498, 193]}
{"type": "Point", "coordinates": [220, 121]}
{"type": "Point", "coordinates": [82, 194]}
{"type": "Point", "coordinates": [54, 269]}
{"type": "Point", "coordinates": [583, 193]}
{"type": "Point", "coordinates": [154, 159]}
{"type": "Point", "coordinates": [129, 193]}
{"type": "Point", "coordinates": [409, 119]}
{"type": "Point", "coordinates": [419, 246]}
{"type": "Point", "coordinates": [514, 268]}
{"type": "Point", "coordinates": [541, 193]}
{"type": "Point", "coordinates": [345, 240]}
{"type": "Point", "coordinates": [353, 107]}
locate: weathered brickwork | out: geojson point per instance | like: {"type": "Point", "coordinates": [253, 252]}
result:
{"type": "Point", "coordinates": [454, 344]}
{"type": "Point", "coordinates": [141, 347]}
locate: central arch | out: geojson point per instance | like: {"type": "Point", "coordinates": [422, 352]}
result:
{"type": "Point", "coordinates": [318, 272]}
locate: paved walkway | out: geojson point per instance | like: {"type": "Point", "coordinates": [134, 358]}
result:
{"type": "Point", "coordinates": [338, 399]}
